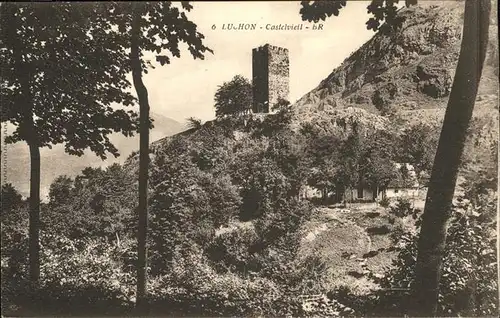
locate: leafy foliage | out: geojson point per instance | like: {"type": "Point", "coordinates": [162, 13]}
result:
{"type": "Point", "coordinates": [98, 203]}
{"type": "Point", "coordinates": [14, 233]}
{"type": "Point", "coordinates": [157, 27]}
{"type": "Point", "coordinates": [418, 146]}
{"type": "Point", "coordinates": [378, 162]}
{"type": "Point", "coordinates": [233, 97]}
{"type": "Point", "coordinates": [194, 123]}
{"type": "Point", "coordinates": [468, 285]}
{"type": "Point", "coordinates": [69, 101]}
{"type": "Point", "coordinates": [381, 10]}
{"type": "Point", "coordinates": [281, 121]}
{"type": "Point", "coordinates": [282, 104]}
{"type": "Point", "coordinates": [11, 198]}
{"type": "Point", "coordinates": [60, 190]}
{"type": "Point", "coordinates": [402, 208]}
{"type": "Point", "coordinates": [187, 204]}
{"type": "Point", "coordinates": [72, 75]}
{"type": "Point", "coordinates": [89, 276]}
{"type": "Point", "coordinates": [346, 159]}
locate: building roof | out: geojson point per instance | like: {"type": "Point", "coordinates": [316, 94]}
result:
{"type": "Point", "coordinates": [406, 178]}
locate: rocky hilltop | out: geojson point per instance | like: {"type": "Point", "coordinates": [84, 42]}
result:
{"type": "Point", "coordinates": [409, 70]}
{"type": "Point", "coordinates": [397, 80]}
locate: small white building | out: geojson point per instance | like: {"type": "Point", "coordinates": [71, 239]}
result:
{"type": "Point", "coordinates": [404, 186]}
{"type": "Point", "coordinates": [407, 187]}
{"type": "Point", "coordinates": [308, 192]}
{"type": "Point", "coordinates": [397, 192]}
{"type": "Point", "coordinates": [394, 190]}
{"type": "Point", "coordinates": [360, 194]}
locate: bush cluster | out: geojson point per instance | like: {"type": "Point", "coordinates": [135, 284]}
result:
{"type": "Point", "coordinates": [225, 231]}
{"type": "Point", "coordinates": [468, 285]}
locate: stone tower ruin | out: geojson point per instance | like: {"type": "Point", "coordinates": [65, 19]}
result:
{"type": "Point", "coordinates": [270, 77]}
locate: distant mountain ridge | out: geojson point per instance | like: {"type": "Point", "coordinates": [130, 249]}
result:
{"type": "Point", "coordinates": [55, 162]}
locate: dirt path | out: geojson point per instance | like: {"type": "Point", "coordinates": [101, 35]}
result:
{"type": "Point", "coordinates": [339, 216]}
{"type": "Point", "coordinates": [340, 238]}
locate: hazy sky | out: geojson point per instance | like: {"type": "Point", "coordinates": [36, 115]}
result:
{"type": "Point", "coordinates": [186, 87]}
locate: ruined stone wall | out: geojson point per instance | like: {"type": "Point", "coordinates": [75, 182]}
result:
{"type": "Point", "coordinates": [270, 68]}
{"type": "Point", "coordinates": [260, 67]}
{"type": "Point", "coordinates": [278, 74]}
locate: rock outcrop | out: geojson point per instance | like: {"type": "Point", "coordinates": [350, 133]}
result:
{"type": "Point", "coordinates": [411, 69]}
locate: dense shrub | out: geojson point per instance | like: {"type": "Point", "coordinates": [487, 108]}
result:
{"type": "Point", "coordinates": [187, 205]}
{"type": "Point", "coordinates": [14, 245]}
{"type": "Point", "coordinates": [193, 287]}
{"type": "Point", "coordinates": [86, 276]}
{"type": "Point", "coordinates": [265, 187]}
{"type": "Point", "coordinates": [385, 202]}
{"type": "Point", "coordinates": [234, 251]}
{"type": "Point", "coordinates": [469, 280]}
{"type": "Point", "coordinates": [286, 218]}
{"type": "Point", "coordinates": [274, 123]}
{"type": "Point", "coordinates": [98, 203]}
{"type": "Point", "coordinates": [402, 207]}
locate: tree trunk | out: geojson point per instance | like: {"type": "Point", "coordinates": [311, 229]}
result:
{"type": "Point", "coordinates": [31, 138]}
{"type": "Point", "coordinates": [142, 94]}
{"type": "Point", "coordinates": [498, 236]}
{"type": "Point", "coordinates": [34, 203]}
{"type": "Point", "coordinates": [446, 163]}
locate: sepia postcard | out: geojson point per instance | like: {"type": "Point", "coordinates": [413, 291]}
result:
{"type": "Point", "coordinates": [250, 158]}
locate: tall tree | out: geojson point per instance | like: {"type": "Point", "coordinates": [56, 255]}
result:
{"type": "Point", "coordinates": [452, 138]}
{"type": "Point", "coordinates": [378, 167]}
{"type": "Point", "coordinates": [233, 97]}
{"type": "Point", "coordinates": [418, 146]}
{"type": "Point", "coordinates": [142, 93]}
{"type": "Point", "coordinates": [158, 28]}
{"type": "Point", "coordinates": [58, 83]}
{"type": "Point", "coordinates": [60, 190]}
{"type": "Point", "coordinates": [348, 176]}
{"type": "Point", "coordinates": [449, 152]}
{"type": "Point", "coordinates": [194, 123]}
{"type": "Point", "coordinates": [11, 198]}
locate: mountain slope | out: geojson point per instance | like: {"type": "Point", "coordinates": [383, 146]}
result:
{"type": "Point", "coordinates": [55, 162]}
{"type": "Point", "coordinates": [405, 79]}
{"type": "Point", "coordinates": [411, 69]}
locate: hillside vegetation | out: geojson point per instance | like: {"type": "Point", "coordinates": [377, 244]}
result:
{"type": "Point", "coordinates": [231, 233]}
{"type": "Point", "coordinates": [411, 69]}
{"type": "Point", "coordinates": [56, 161]}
